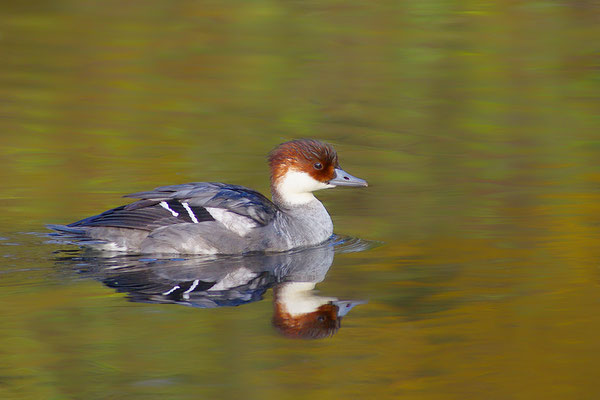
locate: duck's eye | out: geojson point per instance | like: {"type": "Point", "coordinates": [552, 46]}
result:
{"type": "Point", "coordinates": [318, 165]}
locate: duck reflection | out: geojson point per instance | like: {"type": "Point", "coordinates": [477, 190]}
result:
{"type": "Point", "coordinates": [299, 313]}
{"type": "Point", "coordinates": [207, 282]}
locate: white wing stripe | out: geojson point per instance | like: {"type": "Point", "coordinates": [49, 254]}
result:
{"type": "Point", "coordinates": [168, 292]}
{"type": "Point", "coordinates": [164, 205]}
{"type": "Point", "coordinates": [191, 289]}
{"type": "Point", "coordinates": [190, 212]}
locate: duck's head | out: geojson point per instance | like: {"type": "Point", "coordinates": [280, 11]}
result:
{"type": "Point", "coordinates": [299, 167]}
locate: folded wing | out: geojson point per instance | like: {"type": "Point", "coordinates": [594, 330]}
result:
{"type": "Point", "coordinates": [238, 208]}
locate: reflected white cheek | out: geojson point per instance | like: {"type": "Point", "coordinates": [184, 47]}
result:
{"type": "Point", "coordinates": [296, 187]}
{"type": "Point", "coordinates": [298, 298]}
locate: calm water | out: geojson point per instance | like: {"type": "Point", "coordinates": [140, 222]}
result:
{"type": "Point", "coordinates": [476, 124]}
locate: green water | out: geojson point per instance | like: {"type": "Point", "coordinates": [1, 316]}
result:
{"type": "Point", "coordinates": [475, 123]}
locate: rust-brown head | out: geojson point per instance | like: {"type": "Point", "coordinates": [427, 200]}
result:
{"type": "Point", "coordinates": [300, 313]}
{"type": "Point", "coordinates": [301, 166]}
{"type": "Point", "coordinates": [321, 323]}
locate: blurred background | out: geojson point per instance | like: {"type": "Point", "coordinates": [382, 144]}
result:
{"type": "Point", "coordinates": [476, 124]}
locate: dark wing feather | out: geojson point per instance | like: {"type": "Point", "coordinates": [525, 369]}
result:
{"type": "Point", "coordinates": [146, 216]}
{"type": "Point", "coordinates": [149, 288]}
{"type": "Point", "coordinates": [148, 213]}
{"type": "Point", "coordinates": [234, 198]}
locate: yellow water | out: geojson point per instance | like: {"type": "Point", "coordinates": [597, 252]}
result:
{"type": "Point", "coordinates": [475, 123]}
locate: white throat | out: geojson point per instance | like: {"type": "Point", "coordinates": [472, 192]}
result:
{"type": "Point", "coordinates": [296, 187]}
{"type": "Point", "coordinates": [298, 298]}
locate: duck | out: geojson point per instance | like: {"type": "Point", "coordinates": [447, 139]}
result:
{"type": "Point", "coordinates": [215, 218]}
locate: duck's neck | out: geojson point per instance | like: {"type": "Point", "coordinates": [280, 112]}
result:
{"type": "Point", "coordinates": [295, 189]}
{"type": "Point", "coordinates": [303, 224]}
{"type": "Point", "coordinates": [299, 200]}
{"type": "Point", "coordinates": [285, 196]}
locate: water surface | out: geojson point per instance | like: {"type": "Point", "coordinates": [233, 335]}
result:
{"type": "Point", "coordinates": [476, 125]}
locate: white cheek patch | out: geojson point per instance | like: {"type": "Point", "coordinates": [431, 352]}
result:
{"type": "Point", "coordinates": [296, 187]}
{"type": "Point", "coordinates": [232, 221]}
{"type": "Point", "coordinates": [297, 298]}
